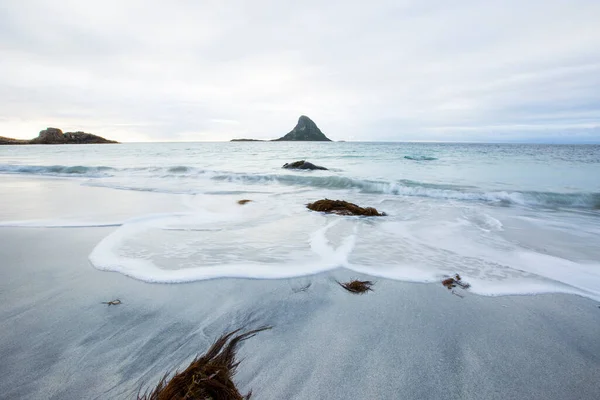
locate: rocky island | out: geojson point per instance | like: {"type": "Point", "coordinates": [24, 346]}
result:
{"type": "Point", "coordinates": [56, 136]}
{"type": "Point", "coordinates": [304, 131]}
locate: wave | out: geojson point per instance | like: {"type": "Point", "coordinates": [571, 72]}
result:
{"type": "Point", "coordinates": [179, 169]}
{"type": "Point", "coordinates": [421, 189]}
{"type": "Point", "coordinates": [420, 158]}
{"type": "Point", "coordinates": [56, 170]}
{"type": "Point", "coordinates": [405, 187]}
{"type": "Point", "coordinates": [97, 171]}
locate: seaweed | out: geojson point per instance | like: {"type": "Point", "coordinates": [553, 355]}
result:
{"type": "Point", "coordinates": [208, 377]}
{"type": "Point", "coordinates": [451, 283]}
{"type": "Point", "coordinates": [357, 287]}
{"type": "Point", "coordinates": [115, 302]}
{"type": "Point", "coordinates": [341, 207]}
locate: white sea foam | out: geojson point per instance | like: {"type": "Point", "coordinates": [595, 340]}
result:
{"type": "Point", "coordinates": [216, 244]}
{"type": "Point", "coordinates": [108, 254]}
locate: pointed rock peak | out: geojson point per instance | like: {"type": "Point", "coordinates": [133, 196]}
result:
{"type": "Point", "coordinates": [305, 130]}
{"type": "Point", "coordinates": [305, 120]}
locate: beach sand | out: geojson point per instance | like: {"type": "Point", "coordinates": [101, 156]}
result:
{"type": "Point", "coordinates": [401, 341]}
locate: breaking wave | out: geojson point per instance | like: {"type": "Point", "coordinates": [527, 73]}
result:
{"type": "Point", "coordinates": [402, 187]}
{"type": "Point", "coordinates": [421, 189]}
{"type": "Point", "coordinates": [56, 170]}
{"type": "Point", "coordinates": [420, 158]}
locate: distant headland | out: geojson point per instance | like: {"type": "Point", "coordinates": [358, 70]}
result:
{"type": "Point", "coordinates": [304, 131]}
{"type": "Point", "coordinates": [56, 136]}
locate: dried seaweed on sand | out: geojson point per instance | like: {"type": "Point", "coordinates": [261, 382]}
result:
{"type": "Point", "coordinates": [451, 283]}
{"type": "Point", "coordinates": [115, 302]}
{"type": "Point", "coordinates": [357, 287]}
{"type": "Point", "coordinates": [208, 377]}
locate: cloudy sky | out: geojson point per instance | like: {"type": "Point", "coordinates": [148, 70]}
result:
{"type": "Point", "coordinates": [510, 70]}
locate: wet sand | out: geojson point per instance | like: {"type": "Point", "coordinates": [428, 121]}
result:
{"type": "Point", "coordinates": [404, 340]}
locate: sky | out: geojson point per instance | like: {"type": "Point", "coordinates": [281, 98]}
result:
{"type": "Point", "coordinates": [197, 70]}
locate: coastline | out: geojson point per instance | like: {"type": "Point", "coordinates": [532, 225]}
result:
{"type": "Point", "coordinates": [404, 339]}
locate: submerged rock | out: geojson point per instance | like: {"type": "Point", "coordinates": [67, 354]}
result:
{"type": "Point", "coordinates": [341, 207]}
{"type": "Point", "coordinates": [302, 164]}
{"type": "Point", "coordinates": [305, 130]}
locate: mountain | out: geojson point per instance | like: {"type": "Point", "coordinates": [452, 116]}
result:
{"type": "Point", "coordinates": [56, 136]}
{"type": "Point", "coordinates": [305, 130]}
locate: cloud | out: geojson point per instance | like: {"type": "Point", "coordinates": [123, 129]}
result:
{"type": "Point", "coordinates": [215, 70]}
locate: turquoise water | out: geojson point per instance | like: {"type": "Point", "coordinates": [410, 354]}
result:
{"type": "Point", "coordinates": [511, 218]}
{"type": "Point", "coordinates": [469, 168]}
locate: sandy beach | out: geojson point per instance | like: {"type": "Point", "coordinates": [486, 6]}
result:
{"type": "Point", "coordinates": [215, 200]}
{"type": "Point", "coordinates": [403, 340]}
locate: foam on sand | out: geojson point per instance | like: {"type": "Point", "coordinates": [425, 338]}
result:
{"type": "Point", "coordinates": [116, 252]}
{"type": "Point", "coordinates": [203, 244]}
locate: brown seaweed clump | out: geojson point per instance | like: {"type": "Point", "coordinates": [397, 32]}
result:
{"type": "Point", "coordinates": [208, 377]}
{"type": "Point", "coordinates": [244, 201]}
{"type": "Point", "coordinates": [357, 287]}
{"type": "Point", "coordinates": [341, 207]}
{"type": "Point", "coordinates": [451, 283]}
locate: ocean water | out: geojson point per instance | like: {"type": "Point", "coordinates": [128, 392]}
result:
{"type": "Point", "coordinates": [509, 218]}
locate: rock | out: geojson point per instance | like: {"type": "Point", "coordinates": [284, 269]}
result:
{"type": "Point", "coordinates": [302, 165]}
{"type": "Point", "coordinates": [50, 136]}
{"type": "Point", "coordinates": [85, 138]}
{"type": "Point", "coordinates": [341, 207]}
{"type": "Point", "coordinates": [6, 140]}
{"type": "Point", "coordinates": [305, 130]}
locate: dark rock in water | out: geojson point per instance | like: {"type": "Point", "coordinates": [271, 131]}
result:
{"type": "Point", "coordinates": [305, 130]}
{"type": "Point", "coordinates": [302, 165]}
{"type": "Point", "coordinates": [56, 136]}
{"type": "Point", "coordinates": [341, 207]}
{"type": "Point", "coordinates": [246, 140]}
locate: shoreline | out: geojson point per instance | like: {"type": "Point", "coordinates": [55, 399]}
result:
{"type": "Point", "coordinates": [403, 339]}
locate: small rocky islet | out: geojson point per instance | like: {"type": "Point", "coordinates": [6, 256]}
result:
{"type": "Point", "coordinates": [56, 136]}
{"type": "Point", "coordinates": [304, 131]}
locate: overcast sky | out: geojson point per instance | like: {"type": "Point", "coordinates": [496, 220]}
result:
{"type": "Point", "coordinates": [509, 70]}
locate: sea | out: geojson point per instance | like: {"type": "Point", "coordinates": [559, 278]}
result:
{"type": "Point", "coordinates": [511, 219]}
